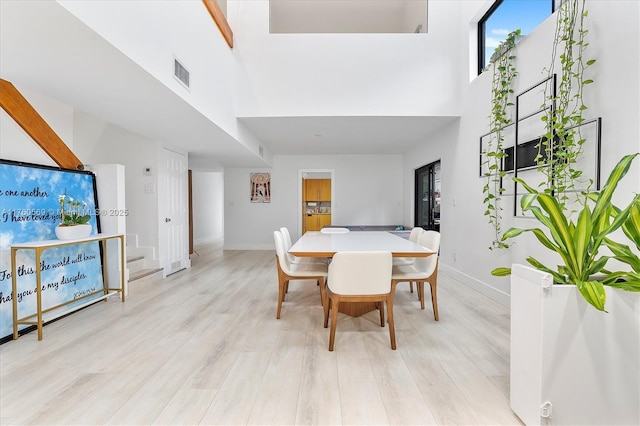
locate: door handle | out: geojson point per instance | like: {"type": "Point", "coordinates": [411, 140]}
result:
{"type": "Point", "coordinates": [167, 219]}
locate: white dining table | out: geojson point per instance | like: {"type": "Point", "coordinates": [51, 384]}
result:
{"type": "Point", "coordinates": [318, 244]}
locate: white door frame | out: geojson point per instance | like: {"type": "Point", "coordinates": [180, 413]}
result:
{"type": "Point", "coordinates": [302, 173]}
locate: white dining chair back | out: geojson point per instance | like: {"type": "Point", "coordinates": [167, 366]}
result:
{"type": "Point", "coordinates": [286, 236]}
{"type": "Point", "coordinates": [356, 273]}
{"type": "Point", "coordinates": [281, 251]}
{"type": "Point", "coordinates": [360, 276]}
{"type": "Point", "coordinates": [424, 269]}
{"type": "Point", "coordinates": [336, 230]}
{"type": "Point", "coordinates": [294, 260]}
{"type": "Point", "coordinates": [288, 271]}
{"type": "Point", "coordinates": [431, 241]}
{"type": "Point", "coordinates": [415, 234]}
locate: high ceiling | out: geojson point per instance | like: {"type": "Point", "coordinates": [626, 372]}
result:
{"type": "Point", "coordinates": [91, 75]}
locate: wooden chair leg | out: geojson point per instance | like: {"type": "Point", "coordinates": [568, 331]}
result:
{"type": "Point", "coordinates": [334, 321]}
{"type": "Point", "coordinates": [410, 286]}
{"type": "Point", "coordinates": [421, 293]}
{"type": "Point", "coordinates": [323, 298]}
{"type": "Point", "coordinates": [381, 309]}
{"type": "Point", "coordinates": [392, 329]}
{"type": "Point", "coordinates": [433, 281]}
{"type": "Point", "coordinates": [327, 307]}
{"type": "Point", "coordinates": [281, 291]}
{"type": "Point", "coordinates": [434, 300]}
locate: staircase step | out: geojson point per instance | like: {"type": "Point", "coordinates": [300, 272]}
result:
{"type": "Point", "coordinates": [135, 264]}
{"type": "Point", "coordinates": [143, 273]}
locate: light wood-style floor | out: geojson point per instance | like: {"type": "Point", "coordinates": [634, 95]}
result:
{"type": "Point", "coordinates": [203, 346]}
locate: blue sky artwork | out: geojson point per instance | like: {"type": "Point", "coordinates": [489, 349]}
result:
{"type": "Point", "coordinates": [30, 211]}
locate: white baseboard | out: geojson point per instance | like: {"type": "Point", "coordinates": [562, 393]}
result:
{"type": "Point", "coordinates": [481, 287]}
{"type": "Point", "coordinates": [207, 240]}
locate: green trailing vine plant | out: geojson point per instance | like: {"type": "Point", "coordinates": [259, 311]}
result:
{"type": "Point", "coordinates": [504, 72]}
{"type": "Point", "coordinates": [577, 236]}
{"type": "Point", "coordinates": [562, 145]}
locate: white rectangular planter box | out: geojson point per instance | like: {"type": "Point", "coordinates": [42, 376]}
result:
{"type": "Point", "coordinates": [570, 363]}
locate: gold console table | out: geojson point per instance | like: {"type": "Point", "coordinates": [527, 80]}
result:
{"type": "Point", "coordinates": [39, 247]}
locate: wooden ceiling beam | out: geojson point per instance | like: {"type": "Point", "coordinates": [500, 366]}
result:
{"type": "Point", "coordinates": [221, 21]}
{"type": "Point", "coordinates": [28, 118]}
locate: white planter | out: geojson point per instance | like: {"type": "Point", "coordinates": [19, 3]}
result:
{"type": "Point", "coordinates": [572, 364]}
{"type": "Point", "coordinates": [73, 232]}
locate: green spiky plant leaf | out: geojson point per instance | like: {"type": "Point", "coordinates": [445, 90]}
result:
{"type": "Point", "coordinates": [578, 243]}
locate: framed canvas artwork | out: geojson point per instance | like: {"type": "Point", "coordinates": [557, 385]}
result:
{"type": "Point", "coordinates": [260, 187]}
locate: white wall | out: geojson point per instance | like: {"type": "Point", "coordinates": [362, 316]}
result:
{"type": "Point", "coordinates": [366, 188]}
{"type": "Point", "coordinates": [102, 142]}
{"type": "Point", "coordinates": [613, 96]}
{"type": "Point", "coordinates": [110, 179]}
{"type": "Point", "coordinates": [346, 74]}
{"type": "Point", "coordinates": [208, 206]}
{"type": "Point", "coordinates": [153, 33]}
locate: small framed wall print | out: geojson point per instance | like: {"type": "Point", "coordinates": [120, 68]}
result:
{"type": "Point", "coordinates": [260, 187]}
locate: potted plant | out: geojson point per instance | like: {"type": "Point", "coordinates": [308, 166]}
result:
{"type": "Point", "coordinates": [570, 363]}
{"type": "Point", "coordinates": [578, 244]}
{"type": "Point", "coordinates": [74, 218]}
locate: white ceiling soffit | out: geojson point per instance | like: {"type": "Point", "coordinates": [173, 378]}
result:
{"type": "Point", "coordinates": [347, 16]}
{"type": "Point", "coordinates": [344, 135]}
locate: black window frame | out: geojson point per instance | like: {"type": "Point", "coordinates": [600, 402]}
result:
{"type": "Point", "coordinates": [482, 32]}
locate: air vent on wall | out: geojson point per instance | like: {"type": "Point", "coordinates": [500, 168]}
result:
{"type": "Point", "coordinates": [180, 72]}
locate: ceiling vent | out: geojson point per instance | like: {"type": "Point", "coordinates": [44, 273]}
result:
{"type": "Point", "coordinates": [181, 73]}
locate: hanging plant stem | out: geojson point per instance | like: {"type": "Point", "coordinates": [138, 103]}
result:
{"type": "Point", "coordinates": [562, 145]}
{"type": "Point", "coordinates": [504, 72]}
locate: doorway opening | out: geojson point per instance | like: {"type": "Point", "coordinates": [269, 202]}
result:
{"type": "Point", "coordinates": [427, 196]}
{"type": "Point", "coordinates": [315, 199]}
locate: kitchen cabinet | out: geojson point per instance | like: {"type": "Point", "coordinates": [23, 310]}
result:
{"type": "Point", "coordinates": [324, 220]}
{"type": "Point", "coordinates": [315, 222]}
{"type": "Point", "coordinates": [317, 204]}
{"type": "Point", "coordinates": [318, 189]}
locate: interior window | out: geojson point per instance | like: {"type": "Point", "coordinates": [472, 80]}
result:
{"type": "Point", "coordinates": [504, 17]}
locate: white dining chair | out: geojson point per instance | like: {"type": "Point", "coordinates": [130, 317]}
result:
{"type": "Point", "coordinates": [336, 230]}
{"type": "Point", "coordinates": [424, 269]}
{"type": "Point", "coordinates": [359, 276]}
{"type": "Point", "coordinates": [414, 236]}
{"type": "Point", "coordinates": [301, 271]}
{"type": "Point", "coordinates": [296, 259]}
